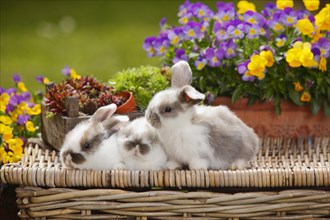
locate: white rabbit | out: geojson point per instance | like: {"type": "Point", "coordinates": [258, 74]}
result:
{"type": "Point", "coordinates": [140, 146]}
{"type": "Point", "coordinates": [92, 143]}
{"type": "Point", "coordinates": [202, 137]}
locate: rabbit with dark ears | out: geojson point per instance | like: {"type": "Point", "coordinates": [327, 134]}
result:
{"type": "Point", "coordinates": [140, 146]}
{"type": "Point", "coordinates": [92, 143]}
{"type": "Point", "coordinates": [202, 137]}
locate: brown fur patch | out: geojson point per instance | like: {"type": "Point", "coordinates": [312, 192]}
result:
{"type": "Point", "coordinates": [176, 108]}
{"type": "Point", "coordinates": [143, 148]}
{"type": "Point", "coordinates": [77, 158]}
{"type": "Point", "coordinates": [91, 140]}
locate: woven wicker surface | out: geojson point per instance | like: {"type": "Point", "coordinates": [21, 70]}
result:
{"type": "Point", "coordinates": [54, 203]}
{"type": "Point", "coordinates": [280, 163]}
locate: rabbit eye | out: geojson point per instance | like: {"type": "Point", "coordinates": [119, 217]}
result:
{"type": "Point", "coordinates": [168, 109]}
{"type": "Point", "coordinates": [87, 146]}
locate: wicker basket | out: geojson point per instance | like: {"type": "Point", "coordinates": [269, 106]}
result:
{"type": "Point", "coordinates": [290, 179]}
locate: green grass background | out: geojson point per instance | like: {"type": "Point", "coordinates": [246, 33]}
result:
{"type": "Point", "coordinates": [107, 38]}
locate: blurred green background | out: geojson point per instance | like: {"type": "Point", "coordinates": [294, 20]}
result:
{"type": "Point", "coordinates": [96, 37]}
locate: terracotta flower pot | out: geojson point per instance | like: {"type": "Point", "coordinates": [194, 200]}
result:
{"type": "Point", "coordinates": [129, 105]}
{"type": "Point", "coordinates": [294, 121]}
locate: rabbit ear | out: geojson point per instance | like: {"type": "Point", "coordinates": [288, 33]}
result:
{"type": "Point", "coordinates": [103, 113]}
{"type": "Point", "coordinates": [181, 74]}
{"type": "Point", "coordinates": [190, 95]}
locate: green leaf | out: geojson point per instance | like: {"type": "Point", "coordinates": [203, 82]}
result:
{"type": "Point", "coordinates": [315, 106]}
{"type": "Point", "coordinates": [295, 97]}
{"type": "Point", "coordinates": [326, 107]}
{"type": "Point", "coordinates": [236, 94]}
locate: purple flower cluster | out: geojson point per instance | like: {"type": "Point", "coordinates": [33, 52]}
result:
{"type": "Point", "coordinates": [207, 38]}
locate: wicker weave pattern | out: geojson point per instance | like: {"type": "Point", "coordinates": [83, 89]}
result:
{"type": "Point", "coordinates": [110, 203]}
{"type": "Point", "coordinates": [280, 163]}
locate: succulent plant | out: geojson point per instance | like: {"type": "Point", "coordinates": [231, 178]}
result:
{"type": "Point", "coordinates": [91, 93]}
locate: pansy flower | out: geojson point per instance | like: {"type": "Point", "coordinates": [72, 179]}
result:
{"type": "Point", "coordinates": [161, 45]}
{"type": "Point", "coordinates": [220, 31]}
{"type": "Point", "coordinates": [229, 48]}
{"type": "Point", "coordinates": [193, 30]}
{"type": "Point", "coordinates": [243, 70]}
{"type": "Point", "coordinates": [175, 35]}
{"type": "Point", "coordinates": [226, 12]}
{"type": "Point", "coordinates": [281, 40]}
{"type": "Point", "coordinates": [288, 17]}
{"type": "Point", "coordinates": [236, 29]}
{"type": "Point", "coordinates": [148, 46]}
{"type": "Point", "coordinates": [200, 62]}
{"type": "Point", "coordinates": [180, 54]}
{"type": "Point", "coordinates": [214, 56]}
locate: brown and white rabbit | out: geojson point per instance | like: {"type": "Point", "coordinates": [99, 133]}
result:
{"type": "Point", "coordinates": [140, 147]}
{"type": "Point", "coordinates": [202, 137]}
{"type": "Point", "coordinates": [92, 144]}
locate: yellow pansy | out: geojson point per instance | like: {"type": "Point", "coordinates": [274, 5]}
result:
{"type": "Point", "coordinates": [305, 97]}
{"type": "Point", "coordinates": [46, 80]}
{"type": "Point", "coordinates": [5, 119]}
{"type": "Point", "coordinates": [6, 131]}
{"type": "Point", "coordinates": [16, 145]}
{"type": "Point", "coordinates": [268, 55]}
{"type": "Point", "coordinates": [21, 86]}
{"type": "Point", "coordinates": [257, 66]}
{"type": "Point", "coordinates": [323, 64]}
{"type": "Point", "coordinates": [300, 54]}
{"type": "Point", "coordinates": [4, 157]}
{"type": "Point", "coordinates": [312, 5]}
{"type": "Point", "coordinates": [4, 100]}
{"type": "Point", "coordinates": [305, 26]}
{"type": "Point", "coordinates": [297, 86]}
{"type": "Point", "coordinates": [74, 74]}
{"type": "Point", "coordinates": [35, 110]}
{"type": "Point", "coordinates": [322, 19]}
{"type": "Point", "coordinates": [244, 6]}
{"type": "Point", "coordinates": [281, 4]}
{"type": "Point", "coordinates": [21, 108]}
{"type": "Point", "coordinates": [30, 126]}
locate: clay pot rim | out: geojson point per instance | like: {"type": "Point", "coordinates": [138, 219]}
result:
{"type": "Point", "coordinates": [129, 105]}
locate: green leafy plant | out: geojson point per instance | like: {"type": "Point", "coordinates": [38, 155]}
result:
{"type": "Point", "coordinates": [144, 82]}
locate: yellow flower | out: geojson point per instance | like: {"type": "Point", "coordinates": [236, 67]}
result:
{"type": "Point", "coordinates": [14, 157]}
{"type": "Point", "coordinates": [6, 131]}
{"type": "Point", "coordinates": [3, 155]}
{"type": "Point", "coordinates": [300, 54]}
{"type": "Point", "coordinates": [35, 110]}
{"type": "Point", "coordinates": [257, 66]}
{"type": "Point", "coordinates": [305, 26]}
{"type": "Point", "coordinates": [46, 80]}
{"type": "Point", "coordinates": [5, 119]}
{"type": "Point", "coordinates": [268, 55]}
{"type": "Point", "coordinates": [244, 6]}
{"type": "Point", "coordinates": [322, 19]}
{"type": "Point", "coordinates": [281, 4]}
{"type": "Point", "coordinates": [21, 108]}
{"type": "Point", "coordinates": [30, 126]}
{"type": "Point", "coordinates": [21, 86]}
{"type": "Point", "coordinates": [4, 100]}
{"type": "Point", "coordinates": [74, 74]}
{"type": "Point", "coordinates": [298, 87]}
{"type": "Point", "coordinates": [312, 5]}
{"type": "Point", "coordinates": [16, 145]}
{"type": "Point", "coordinates": [323, 64]}
{"type": "Point", "coordinates": [305, 97]}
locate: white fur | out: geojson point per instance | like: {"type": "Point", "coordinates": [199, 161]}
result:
{"type": "Point", "coordinates": [155, 159]}
{"type": "Point", "coordinates": [106, 156]}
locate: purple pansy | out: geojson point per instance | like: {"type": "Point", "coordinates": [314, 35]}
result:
{"type": "Point", "coordinates": [201, 11]}
{"type": "Point", "coordinates": [269, 9]}
{"type": "Point", "coordinates": [226, 12]}
{"type": "Point", "coordinates": [26, 96]}
{"type": "Point", "coordinates": [254, 18]}
{"type": "Point", "coordinates": [252, 31]}
{"type": "Point", "coordinates": [324, 45]}
{"type": "Point", "coordinates": [229, 48]}
{"type": "Point", "coordinates": [16, 78]}
{"type": "Point", "coordinates": [22, 119]}
{"type": "Point", "coordinates": [162, 22]}
{"type": "Point", "coordinates": [40, 79]}
{"type": "Point", "coordinates": [281, 40]}
{"type": "Point", "coordinates": [288, 17]}
{"type": "Point", "coordinates": [66, 71]}
{"type": "Point", "coordinates": [220, 31]}
{"type": "Point", "coordinates": [213, 56]}
{"type": "Point", "coordinates": [316, 54]}
{"type": "Point", "coordinates": [180, 54]}
{"type": "Point", "coordinates": [236, 29]}
{"type": "Point", "coordinates": [192, 30]}
{"type": "Point", "coordinates": [243, 70]}
{"type": "Point", "coordinates": [148, 46]}
{"type": "Point", "coordinates": [200, 62]}
{"type": "Point", "coordinates": [161, 45]}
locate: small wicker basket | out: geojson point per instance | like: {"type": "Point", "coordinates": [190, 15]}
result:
{"type": "Point", "coordinates": [290, 179]}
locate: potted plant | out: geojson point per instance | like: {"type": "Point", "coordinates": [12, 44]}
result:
{"type": "Point", "coordinates": [143, 81]}
{"type": "Point", "coordinates": [279, 55]}
{"type": "Point", "coordinates": [74, 100]}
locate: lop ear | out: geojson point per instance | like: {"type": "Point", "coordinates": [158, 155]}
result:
{"type": "Point", "coordinates": [181, 74]}
{"type": "Point", "coordinates": [190, 95]}
{"type": "Point", "coordinates": [103, 113]}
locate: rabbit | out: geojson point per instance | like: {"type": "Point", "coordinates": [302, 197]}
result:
{"type": "Point", "coordinates": [92, 143]}
{"type": "Point", "coordinates": [140, 146]}
{"type": "Point", "coordinates": [202, 137]}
